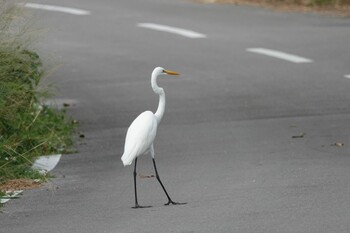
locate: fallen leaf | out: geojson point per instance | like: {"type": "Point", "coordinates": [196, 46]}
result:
{"type": "Point", "coordinates": [301, 135]}
{"type": "Point", "coordinates": [146, 176]}
{"type": "Point", "coordinates": [338, 144]}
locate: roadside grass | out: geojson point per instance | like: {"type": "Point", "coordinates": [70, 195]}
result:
{"type": "Point", "coordinates": [336, 7]}
{"type": "Point", "coordinates": [308, 2]}
{"type": "Point", "coordinates": [27, 128]}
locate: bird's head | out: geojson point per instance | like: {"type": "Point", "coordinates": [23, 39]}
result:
{"type": "Point", "coordinates": [161, 71]}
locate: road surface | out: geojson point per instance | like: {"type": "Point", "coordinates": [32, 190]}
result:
{"type": "Point", "coordinates": [248, 139]}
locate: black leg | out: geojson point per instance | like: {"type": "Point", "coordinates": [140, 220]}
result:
{"type": "Point", "coordinates": [136, 203]}
{"type": "Point", "coordinates": [166, 193]}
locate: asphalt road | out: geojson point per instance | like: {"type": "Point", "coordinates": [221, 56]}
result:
{"type": "Point", "coordinates": [225, 144]}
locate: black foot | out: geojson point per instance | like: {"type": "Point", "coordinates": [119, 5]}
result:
{"type": "Point", "coordinates": [140, 206]}
{"type": "Point", "coordinates": [175, 203]}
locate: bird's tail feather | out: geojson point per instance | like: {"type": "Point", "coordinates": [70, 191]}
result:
{"type": "Point", "coordinates": [127, 159]}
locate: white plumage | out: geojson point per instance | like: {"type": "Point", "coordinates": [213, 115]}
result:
{"type": "Point", "coordinates": [140, 137]}
{"type": "Point", "coordinates": [142, 132]}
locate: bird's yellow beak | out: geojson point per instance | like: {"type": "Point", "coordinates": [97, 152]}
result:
{"type": "Point", "coordinates": [169, 72]}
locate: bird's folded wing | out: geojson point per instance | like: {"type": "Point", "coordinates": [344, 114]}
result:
{"type": "Point", "coordinates": [140, 136]}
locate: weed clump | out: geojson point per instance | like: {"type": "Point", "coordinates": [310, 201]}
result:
{"type": "Point", "coordinates": [27, 129]}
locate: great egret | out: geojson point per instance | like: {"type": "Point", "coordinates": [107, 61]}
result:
{"type": "Point", "coordinates": [142, 132]}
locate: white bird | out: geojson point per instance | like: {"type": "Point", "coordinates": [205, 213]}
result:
{"type": "Point", "coordinates": [142, 132]}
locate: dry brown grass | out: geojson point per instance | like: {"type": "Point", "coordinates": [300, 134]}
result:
{"type": "Point", "coordinates": [339, 7]}
{"type": "Point", "coordinates": [19, 184]}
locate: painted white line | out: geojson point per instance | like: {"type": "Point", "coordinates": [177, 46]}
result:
{"type": "Point", "coordinates": [46, 163]}
{"type": "Point", "coordinates": [10, 195]}
{"type": "Point", "coordinates": [347, 76]}
{"type": "Point", "coordinates": [175, 30]}
{"type": "Point", "coordinates": [280, 55]}
{"type": "Point", "coordinates": [68, 10]}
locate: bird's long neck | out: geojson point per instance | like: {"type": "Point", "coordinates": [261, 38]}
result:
{"type": "Point", "coordinates": [160, 91]}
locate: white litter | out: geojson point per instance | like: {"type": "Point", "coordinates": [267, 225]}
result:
{"type": "Point", "coordinates": [46, 163]}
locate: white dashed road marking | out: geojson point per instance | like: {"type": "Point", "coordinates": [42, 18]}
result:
{"type": "Point", "coordinates": [175, 30]}
{"type": "Point", "coordinates": [280, 55]}
{"type": "Point", "coordinates": [347, 76]}
{"type": "Point", "coordinates": [68, 10]}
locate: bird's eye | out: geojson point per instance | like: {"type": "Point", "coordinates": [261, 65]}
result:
{"type": "Point", "coordinates": [163, 71]}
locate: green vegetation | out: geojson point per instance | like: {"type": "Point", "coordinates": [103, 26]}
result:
{"type": "Point", "coordinates": [27, 129]}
